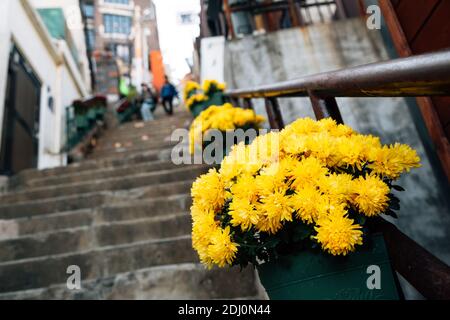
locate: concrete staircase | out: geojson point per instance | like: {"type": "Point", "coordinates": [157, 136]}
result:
{"type": "Point", "coordinates": [122, 216]}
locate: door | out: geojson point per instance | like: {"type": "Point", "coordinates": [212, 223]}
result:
{"type": "Point", "coordinates": [19, 148]}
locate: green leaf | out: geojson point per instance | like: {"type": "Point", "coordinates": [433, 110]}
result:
{"type": "Point", "coordinates": [398, 188]}
{"type": "Point", "coordinates": [391, 213]}
{"type": "Point", "coordinates": [394, 205]}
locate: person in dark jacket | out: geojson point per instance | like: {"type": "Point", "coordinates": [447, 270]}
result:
{"type": "Point", "coordinates": [168, 93]}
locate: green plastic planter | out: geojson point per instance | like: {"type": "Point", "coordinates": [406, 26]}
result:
{"type": "Point", "coordinates": [198, 107]}
{"type": "Point", "coordinates": [320, 276]}
{"type": "Point", "coordinates": [216, 99]}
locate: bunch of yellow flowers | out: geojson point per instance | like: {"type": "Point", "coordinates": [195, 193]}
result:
{"type": "Point", "coordinates": [211, 86]}
{"type": "Point", "coordinates": [190, 88]}
{"type": "Point", "coordinates": [222, 118]}
{"type": "Point", "coordinates": [195, 98]}
{"type": "Point", "coordinates": [315, 183]}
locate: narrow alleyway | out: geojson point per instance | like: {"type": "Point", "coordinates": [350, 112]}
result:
{"type": "Point", "coordinates": [122, 216]}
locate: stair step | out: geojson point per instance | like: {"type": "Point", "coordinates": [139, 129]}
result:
{"type": "Point", "coordinates": [150, 143]}
{"type": "Point", "coordinates": [112, 184]}
{"type": "Point", "coordinates": [101, 174]}
{"type": "Point", "coordinates": [40, 221]}
{"type": "Point", "coordinates": [181, 281]}
{"type": "Point", "coordinates": [39, 207]}
{"type": "Point", "coordinates": [87, 165]}
{"type": "Point", "coordinates": [97, 263]}
{"type": "Point", "coordinates": [98, 235]}
{"type": "Point", "coordinates": [110, 152]}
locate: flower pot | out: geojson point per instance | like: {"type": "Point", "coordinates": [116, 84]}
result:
{"type": "Point", "coordinates": [198, 107]}
{"type": "Point", "coordinates": [319, 276]}
{"type": "Point", "coordinates": [216, 99]}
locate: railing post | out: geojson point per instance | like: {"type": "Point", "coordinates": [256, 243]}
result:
{"type": "Point", "coordinates": [227, 11]}
{"type": "Point", "coordinates": [248, 103]}
{"type": "Point", "coordinates": [325, 107]}
{"type": "Point", "coordinates": [274, 113]}
{"type": "Point", "coordinates": [293, 13]}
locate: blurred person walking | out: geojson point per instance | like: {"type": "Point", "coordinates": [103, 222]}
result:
{"type": "Point", "coordinates": [168, 93]}
{"type": "Point", "coordinates": [148, 101]}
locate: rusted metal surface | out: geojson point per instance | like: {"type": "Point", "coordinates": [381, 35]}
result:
{"type": "Point", "coordinates": [424, 75]}
{"type": "Point", "coordinates": [248, 103]}
{"type": "Point", "coordinates": [325, 107]}
{"type": "Point", "coordinates": [277, 113]}
{"type": "Point", "coordinates": [429, 275]}
{"type": "Point", "coordinates": [270, 114]}
{"type": "Point", "coordinates": [227, 11]}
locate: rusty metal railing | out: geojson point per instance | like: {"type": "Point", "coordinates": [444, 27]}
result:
{"type": "Point", "coordinates": [424, 75]}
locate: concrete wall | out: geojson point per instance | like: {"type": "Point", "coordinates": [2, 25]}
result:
{"type": "Point", "coordinates": [54, 66]}
{"type": "Point", "coordinates": [292, 53]}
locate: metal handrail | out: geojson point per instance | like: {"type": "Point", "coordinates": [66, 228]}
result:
{"type": "Point", "coordinates": [423, 75]}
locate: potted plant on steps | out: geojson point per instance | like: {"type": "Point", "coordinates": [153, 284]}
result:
{"type": "Point", "coordinates": [197, 100]}
{"type": "Point", "coordinates": [298, 206]}
{"type": "Point", "coordinates": [223, 120]}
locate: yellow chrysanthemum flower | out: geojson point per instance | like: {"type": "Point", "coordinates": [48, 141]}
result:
{"type": "Point", "coordinates": [191, 86]}
{"type": "Point", "coordinates": [370, 195]}
{"type": "Point", "coordinates": [222, 250]}
{"type": "Point", "coordinates": [222, 118]}
{"type": "Point", "coordinates": [309, 203]}
{"type": "Point", "coordinates": [243, 213]}
{"type": "Point", "coordinates": [338, 187]}
{"type": "Point", "coordinates": [308, 171]}
{"type": "Point", "coordinates": [338, 234]}
{"type": "Point", "coordinates": [274, 209]}
{"type": "Point", "coordinates": [208, 191]}
{"type": "Point", "coordinates": [196, 98]}
{"type": "Point", "coordinates": [392, 161]}
{"type": "Point", "coordinates": [208, 85]}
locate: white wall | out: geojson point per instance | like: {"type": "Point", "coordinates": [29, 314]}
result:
{"type": "Point", "coordinates": [212, 62]}
{"type": "Point", "coordinates": [72, 13]}
{"type": "Point", "coordinates": [53, 65]}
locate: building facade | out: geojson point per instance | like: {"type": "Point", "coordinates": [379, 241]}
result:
{"type": "Point", "coordinates": [43, 69]}
{"type": "Point", "coordinates": [121, 36]}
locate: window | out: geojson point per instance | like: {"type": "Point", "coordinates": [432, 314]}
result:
{"type": "Point", "coordinates": [187, 18]}
{"type": "Point", "coordinates": [117, 24]}
{"type": "Point", "coordinates": [91, 39]}
{"type": "Point", "coordinates": [118, 1]}
{"type": "Point", "coordinates": [88, 10]}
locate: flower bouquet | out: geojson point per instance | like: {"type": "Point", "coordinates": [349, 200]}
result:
{"type": "Point", "coordinates": [197, 101]}
{"type": "Point", "coordinates": [224, 119]}
{"type": "Point", "coordinates": [214, 90]}
{"type": "Point", "coordinates": [296, 204]}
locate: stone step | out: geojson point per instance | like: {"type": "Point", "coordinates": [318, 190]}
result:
{"type": "Point", "coordinates": [98, 235]}
{"type": "Point", "coordinates": [112, 184]}
{"type": "Point", "coordinates": [101, 174]}
{"type": "Point", "coordinates": [181, 281]}
{"type": "Point", "coordinates": [87, 165]}
{"type": "Point", "coordinates": [145, 208]}
{"type": "Point", "coordinates": [97, 263]}
{"type": "Point", "coordinates": [20, 201]}
{"type": "Point", "coordinates": [149, 143]}
{"type": "Point", "coordinates": [38, 222]}
{"type": "Point", "coordinates": [160, 123]}
{"type": "Point", "coordinates": [32, 207]}
{"type": "Point", "coordinates": [118, 152]}
{"type": "Point", "coordinates": [157, 154]}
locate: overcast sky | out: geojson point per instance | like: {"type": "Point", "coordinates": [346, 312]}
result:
{"type": "Point", "coordinates": [177, 39]}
